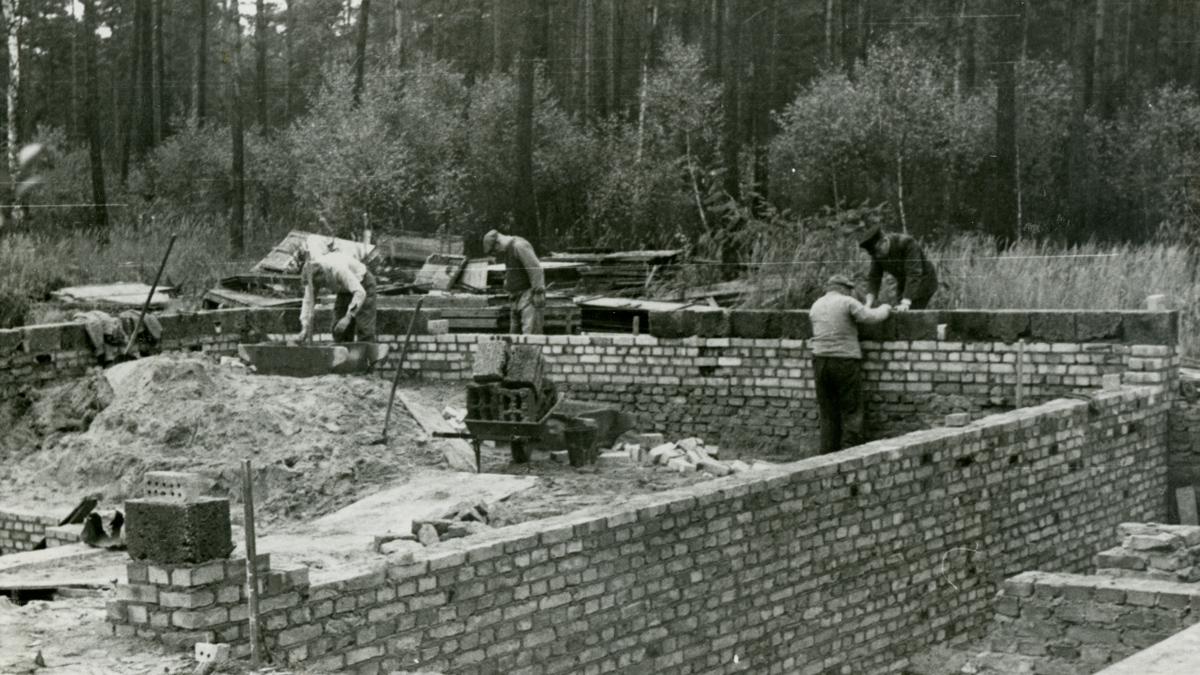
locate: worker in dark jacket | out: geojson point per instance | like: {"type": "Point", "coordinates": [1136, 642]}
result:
{"type": "Point", "coordinates": [523, 280]}
{"type": "Point", "coordinates": [837, 361]}
{"type": "Point", "coordinates": [900, 256]}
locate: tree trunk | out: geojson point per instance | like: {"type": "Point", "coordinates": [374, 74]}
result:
{"type": "Point", "coordinates": [731, 138]}
{"type": "Point", "coordinates": [610, 104]}
{"type": "Point", "coordinates": [647, 47]}
{"type": "Point", "coordinates": [589, 29]}
{"type": "Point", "coordinates": [1099, 57]}
{"type": "Point", "coordinates": [159, 104]}
{"type": "Point", "coordinates": [1008, 35]}
{"type": "Point", "coordinates": [360, 50]}
{"type": "Point", "coordinates": [260, 65]}
{"type": "Point", "coordinates": [288, 64]}
{"type": "Point", "coordinates": [145, 88]}
{"type": "Point", "coordinates": [91, 115]}
{"type": "Point", "coordinates": [1078, 174]}
{"type": "Point", "coordinates": [200, 69]}
{"type": "Point", "coordinates": [829, 34]}
{"type": "Point", "coordinates": [497, 36]}
{"type": "Point", "coordinates": [11, 26]}
{"type": "Point", "coordinates": [237, 215]}
{"type": "Point", "coordinates": [525, 202]}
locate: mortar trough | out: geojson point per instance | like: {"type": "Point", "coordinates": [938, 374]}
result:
{"type": "Point", "coordinates": [312, 360]}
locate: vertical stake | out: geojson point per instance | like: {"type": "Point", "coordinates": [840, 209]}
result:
{"type": "Point", "coordinates": [1020, 369]}
{"type": "Point", "coordinates": [251, 565]}
{"type": "Point", "coordinates": [637, 325]}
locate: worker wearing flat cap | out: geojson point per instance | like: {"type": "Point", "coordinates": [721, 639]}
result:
{"type": "Point", "coordinates": [523, 280]}
{"type": "Point", "coordinates": [900, 256]}
{"type": "Point", "coordinates": [837, 361]}
{"type": "Point", "coordinates": [354, 305]}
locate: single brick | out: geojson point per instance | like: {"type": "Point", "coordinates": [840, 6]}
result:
{"type": "Point", "coordinates": [173, 533]}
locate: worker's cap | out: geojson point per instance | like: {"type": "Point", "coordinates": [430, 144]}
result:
{"type": "Point", "coordinates": [870, 238]}
{"type": "Point", "coordinates": [839, 281]}
{"type": "Point", "coordinates": [489, 241]}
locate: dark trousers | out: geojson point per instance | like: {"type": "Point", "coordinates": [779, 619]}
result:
{"type": "Point", "coordinates": [839, 400]}
{"type": "Point", "coordinates": [362, 326]}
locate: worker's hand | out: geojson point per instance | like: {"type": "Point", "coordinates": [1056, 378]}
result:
{"type": "Point", "coordinates": [904, 305]}
{"type": "Point", "coordinates": [539, 299]}
{"type": "Point", "coordinates": [304, 336]}
{"type": "Point", "coordinates": [342, 325]}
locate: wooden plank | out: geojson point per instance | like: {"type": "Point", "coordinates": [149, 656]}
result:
{"type": "Point", "coordinates": [1185, 498]}
{"type": "Point", "coordinates": [458, 452]}
{"type": "Point", "coordinates": [474, 274]}
{"type": "Point", "coordinates": [48, 556]}
{"type": "Point", "coordinates": [440, 272]}
{"type": "Point", "coordinates": [125, 295]}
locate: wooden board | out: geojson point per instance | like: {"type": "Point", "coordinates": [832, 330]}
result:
{"type": "Point", "coordinates": [1185, 498]}
{"type": "Point", "coordinates": [411, 248]}
{"type": "Point", "coordinates": [124, 295]}
{"type": "Point", "coordinates": [475, 274]}
{"type": "Point", "coordinates": [458, 452]}
{"type": "Point", "coordinates": [440, 272]}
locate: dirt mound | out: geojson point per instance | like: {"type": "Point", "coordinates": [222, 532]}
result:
{"type": "Point", "coordinates": [309, 439]}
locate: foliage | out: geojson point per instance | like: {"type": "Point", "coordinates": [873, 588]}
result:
{"type": "Point", "coordinates": [896, 126]}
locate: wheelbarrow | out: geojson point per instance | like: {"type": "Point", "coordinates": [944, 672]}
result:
{"type": "Point", "coordinates": [516, 434]}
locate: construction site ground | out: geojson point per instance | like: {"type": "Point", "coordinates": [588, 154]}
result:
{"type": "Point", "coordinates": [325, 485]}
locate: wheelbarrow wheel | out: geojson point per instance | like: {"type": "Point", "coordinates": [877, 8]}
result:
{"type": "Point", "coordinates": [520, 452]}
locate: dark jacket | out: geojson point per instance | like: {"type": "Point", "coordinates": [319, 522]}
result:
{"type": "Point", "coordinates": [916, 277]}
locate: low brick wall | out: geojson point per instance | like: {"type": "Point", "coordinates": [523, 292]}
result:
{"type": "Point", "coordinates": [840, 563]}
{"type": "Point", "coordinates": [1084, 623]}
{"type": "Point", "coordinates": [22, 530]}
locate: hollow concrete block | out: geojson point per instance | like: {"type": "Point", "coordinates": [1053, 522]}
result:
{"type": "Point", "coordinates": [1097, 326]}
{"type": "Point", "coordinates": [755, 324]}
{"type": "Point", "coordinates": [178, 533]}
{"type": "Point", "coordinates": [711, 323]}
{"type": "Point", "coordinates": [915, 325]}
{"type": "Point", "coordinates": [673, 324]}
{"type": "Point", "coordinates": [967, 325]}
{"type": "Point", "coordinates": [1151, 328]}
{"type": "Point", "coordinates": [1008, 325]}
{"type": "Point", "coordinates": [1052, 326]}
{"type": "Point", "coordinates": [795, 325]}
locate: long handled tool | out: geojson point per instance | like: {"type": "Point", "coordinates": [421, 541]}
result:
{"type": "Point", "coordinates": [412, 324]}
{"type": "Point", "coordinates": [137, 328]}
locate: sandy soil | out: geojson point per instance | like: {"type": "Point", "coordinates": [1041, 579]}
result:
{"type": "Point", "coordinates": [313, 443]}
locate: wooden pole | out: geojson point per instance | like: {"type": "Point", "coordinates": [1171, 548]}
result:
{"type": "Point", "coordinates": [251, 565]}
{"type": "Point", "coordinates": [137, 327]}
{"type": "Point", "coordinates": [1020, 370]}
{"type": "Point", "coordinates": [412, 323]}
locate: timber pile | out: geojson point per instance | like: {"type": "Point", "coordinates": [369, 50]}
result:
{"type": "Point", "coordinates": [621, 272]}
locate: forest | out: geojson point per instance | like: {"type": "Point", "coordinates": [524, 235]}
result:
{"type": "Point", "coordinates": [709, 125]}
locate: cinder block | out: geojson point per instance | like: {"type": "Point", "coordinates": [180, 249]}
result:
{"type": "Point", "coordinates": [174, 533]}
{"type": "Point", "coordinates": [437, 327]}
{"type": "Point", "coordinates": [525, 367]}
{"type": "Point", "coordinates": [915, 325]}
{"type": "Point", "coordinates": [1052, 326]}
{"type": "Point", "coordinates": [1150, 328]}
{"type": "Point", "coordinates": [884, 331]}
{"type": "Point", "coordinates": [1097, 326]}
{"type": "Point", "coordinates": [174, 486]}
{"type": "Point", "coordinates": [795, 325]}
{"type": "Point", "coordinates": [43, 339]}
{"type": "Point", "coordinates": [711, 323]}
{"type": "Point", "coordinates": [675, 324]}
{"type": "Point", "coordinates": [491, 358]}
{"type": "Point", "coordinates": [206, 652]}
{"type": "Point", "coordinates": [967, 325]}
{"type": "Point", "coordinates": [755, 324]}
{"type": "Point", "coordinates": [1008, 325]}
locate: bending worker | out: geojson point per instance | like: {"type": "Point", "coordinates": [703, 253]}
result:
{"type": "Point", "coordinates": [354, 308]}
{"type": "Point", "coordinates": [837, 361]}
{"type": "Point", "coordinates": [523, 279]}
{"type": "Point", "coordinates": [900, 256]}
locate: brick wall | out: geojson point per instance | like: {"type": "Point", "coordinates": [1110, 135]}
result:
{"type": "Point", "coordinates": [756, 392]}
{"type": "Point", "coordinates": [22, 530]}
{"type": "Point", "coordinates": [838, 563]}
{"type": "Point", "coordinates": [1081, 624]}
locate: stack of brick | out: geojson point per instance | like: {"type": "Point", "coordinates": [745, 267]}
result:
{"type": "Point", "coordinates": [509, 382]}
{"type": "Point", "coordinates": [22, 530]}
{"type": "Point", "coordinates": [1153, 551]}
{"type": "Point", "coordinates": [1071, 623]}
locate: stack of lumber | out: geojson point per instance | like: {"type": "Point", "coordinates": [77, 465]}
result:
{"type": "Point", "coordinates": [620, 272]}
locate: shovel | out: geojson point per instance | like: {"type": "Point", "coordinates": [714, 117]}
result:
{"type": "Point", "coordinates": [412, 324]}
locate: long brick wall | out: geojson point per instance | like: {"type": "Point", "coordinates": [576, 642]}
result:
{"type": "Point", "coordinates": [839, 563]}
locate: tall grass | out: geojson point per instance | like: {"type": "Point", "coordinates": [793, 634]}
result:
{"type": "Point", "coordinates": [33, 264]}
{"type": "Point", "coordinates": [975, 274]}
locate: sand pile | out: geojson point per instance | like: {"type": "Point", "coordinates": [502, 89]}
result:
{"type": "Point", "coordinates": [309, 439]}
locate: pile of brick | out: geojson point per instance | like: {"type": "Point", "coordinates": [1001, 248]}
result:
{"type": "Point", "coordinates": [685, 455]}
{"type": "Point", "coordinates": [1153, 551]}
{"type": "Point", "coordinates": [510, 383]}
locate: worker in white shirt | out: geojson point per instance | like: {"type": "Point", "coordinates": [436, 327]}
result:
{"type": "Point", "coordinates": [354, 306]}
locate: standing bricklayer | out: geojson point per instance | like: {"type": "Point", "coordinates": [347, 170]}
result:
{"type": "Point", "coordinates": [491, 357]}
{"type": "Point", "coordinates": [173, 533]}
{"type": "Point", "coordinates": [525, 367]}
